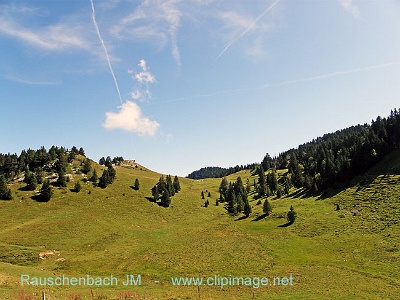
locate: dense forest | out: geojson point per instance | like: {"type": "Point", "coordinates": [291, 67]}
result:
{"type": "Point", "coordinates": [337, 157]}
{"type": "Point", "coordinates": [218, 172]}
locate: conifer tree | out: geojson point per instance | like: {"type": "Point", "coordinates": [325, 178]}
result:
{"type": "Point", "coordinates": [136, 185]}
{"type": "Point", "coordinates": [177, 185]}
{"type": "Point", "coordinates": [247, 208]}
{"type": "Point", "coordinates": [87, 166]}
{"type": "Point", "coordinates": [61, 181]}
{"type": "Point", "coordinates": [77, 187]}
{"type": "Point", "coordinates": [165, 198]}
{"type": "Point", "coordinates": [291, 215]}
{"type": "Point", "coordinates": [94, 176]}
{"type": "Point", "coordinates": [5, 192]}
{"type": "Point", "coordinates": [267, 208]}
{"type": "Point", "coordinates": [170, 186]}
{"type": "Point", "coordinates": [155, 193]}
{"type": "Point", "coordinates": [223, 189]}
{"type": "Point", "coordinates": [202, 195]}
{"type": "Point", "coordinates": [46, 192]}
{"type": "Point", "coordinates": [105, 179]}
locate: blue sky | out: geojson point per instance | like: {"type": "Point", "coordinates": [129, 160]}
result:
{"type": "Point", "coordinates": [183, 84]}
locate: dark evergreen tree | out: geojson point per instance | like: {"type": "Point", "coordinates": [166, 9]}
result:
{"type": "Point", "coordinates": [94, 176]}
{"type": "Point", "coordinates": [232, 201]}
{"type": "Point", "coordinates": [136, 185]}
{"type": "Point", "coordinates": [177, 185]}
{"type": "Point", "coordinates": [87, 166]}
{"type": "Point", "coordinates": [105, 179]}
{"type": "Point", "coordinates": [170, 186]}
{"type": "Point", "coordinates": [102, 161]}
{"type": "Point", "coordinates": [247, 209]}
{"type": "Point", "coordinates": [291, 215]}
{"type": "Point", "coordinates": [267, 208]}
{"type": "Point", "coordinates": [209, 194]}
{"type": "Point", "coordinates": [5, 192]}
{"type": "Point", "coordinates": [155, 193]}
{"type": "Point", "coordinates": [223, 189]}
{"type": "Point", "coordinates": [31, 181]}
{"type": "Point", "coordinates": [262, 186]}
{"type": "Point", "coordinates": [202, 195]}
{"type": "Point", "coordinates": [39, 173]}
{"type": "Point", "coordinates": [81, 151]}
{"type": "Point", "coordinates": [165, 198]}
{"type": "Point", "coordinates": [77, 187]}
{"type": "Point", "coordinates": [61, 180]}
{"type": "Point", "coordinates": [46, 192]}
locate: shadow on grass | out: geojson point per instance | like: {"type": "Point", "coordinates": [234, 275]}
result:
{"type": "Point", "coordinates": [151, 199]}
{"type": "Point", "coordinates": [241, 218]}
{"type": "Point", "coordinates": [286, 224]}
{"type": "Point", "coordinates": [38, 198]}
{"type": "Point", "coordinates": [24, 189]}
{"type": "Point", "coordinates": [133, 188]}
{"type": "Point", "coordinates": [260, 217]}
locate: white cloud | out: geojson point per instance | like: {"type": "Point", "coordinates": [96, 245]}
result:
{"type": "Point", "coordinates": [130, 118]}
{"type": "Point", "coordinates": [136, 94]}
{"type": "Point", "coordinates": [155, 20]}
{"type": "Point", "coordinates": [55, 37]}
{"type": "Point", "coordinates": [350, 7]}
{"type": "Point", "coordinates": [145, 76]}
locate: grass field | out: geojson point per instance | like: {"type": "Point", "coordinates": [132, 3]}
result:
{"type": "Point", "coordinates": [351, 253]}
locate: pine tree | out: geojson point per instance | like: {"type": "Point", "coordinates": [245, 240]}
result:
{"type": "Point", "coordinates": [77, 187]}
{"type": "Point", "coordinates": [5, 192]}
{"type": "Point", "coordinates": [267, 208]}
{"type": "Point", "coordinates": [102, 161]}
{"type": "Point", "coordinates": [46, 192]}
{"type": "Point", "coordinates": [177, 185]}
{"type": "Point", "coordinates": [202, 195]}
{"type": "Point", "coordinates": [155, 193]}
{"type": "Point", "coordinates": [209, 194]}
{"type": "Point", "coordinates": [31, 181]}
{"type": "Point", "coordinates": [247, 209]}
{"type": "Point", "coordinates": [87, 166]}
{"type": "Point", "coordinates": [105, 179]}
{"type": "Point", "coordinates": [61, 180]}
{"type": "Point", "coordinates": [165, 198]}
{"type": "Point", "coordinates": [137, 185]}
{"type": "Point", "coordinates": [170, 186]}
{"type": "Point", "coordinates": [291, 215]}
{"type": "Point", "coordinates": [94, 176]}
{"type": "Point", "coordinates": [39, 175]}
{"type": "Point", "coordinates": [223, 189]}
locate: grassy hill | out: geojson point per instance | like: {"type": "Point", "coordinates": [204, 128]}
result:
{"type": "Point", "coordinates": [351, 253]}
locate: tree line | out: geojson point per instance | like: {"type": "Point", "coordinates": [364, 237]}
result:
{"type": "Point", "coordinates": [218, 172]}
{"type": "Point", "coordinates": [337, 157]}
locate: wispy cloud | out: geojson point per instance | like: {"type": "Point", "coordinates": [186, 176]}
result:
{"type": "Point", "coordinates": [155, 20]}
{"type": "Point", "coordinates": [31, 82]}
{"type": "Point", "coordinates": [350, 7]}
{"type": "Point", "coordinates": [247, 29]}
{"type": "Point", "coordinates": [130, 118]}
{"type": "Point", "coordinates": [55, 37]}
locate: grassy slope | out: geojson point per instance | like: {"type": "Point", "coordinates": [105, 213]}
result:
{"type": "Point", "coordinates": [118, 231]}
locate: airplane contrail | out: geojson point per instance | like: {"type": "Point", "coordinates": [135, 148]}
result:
{"type": "Point", "coordinates": [287, 82]}
{"type": "Point", "coordinates": [105, 51]}
{"type": "Point", "coordinates": [247, 29]}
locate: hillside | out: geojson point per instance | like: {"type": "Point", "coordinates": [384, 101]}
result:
{"type": "Point", "coordinates": [349, 253]}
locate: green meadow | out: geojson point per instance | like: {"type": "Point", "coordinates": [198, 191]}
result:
{"type": "Point", "coordinates": [351, 253]}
